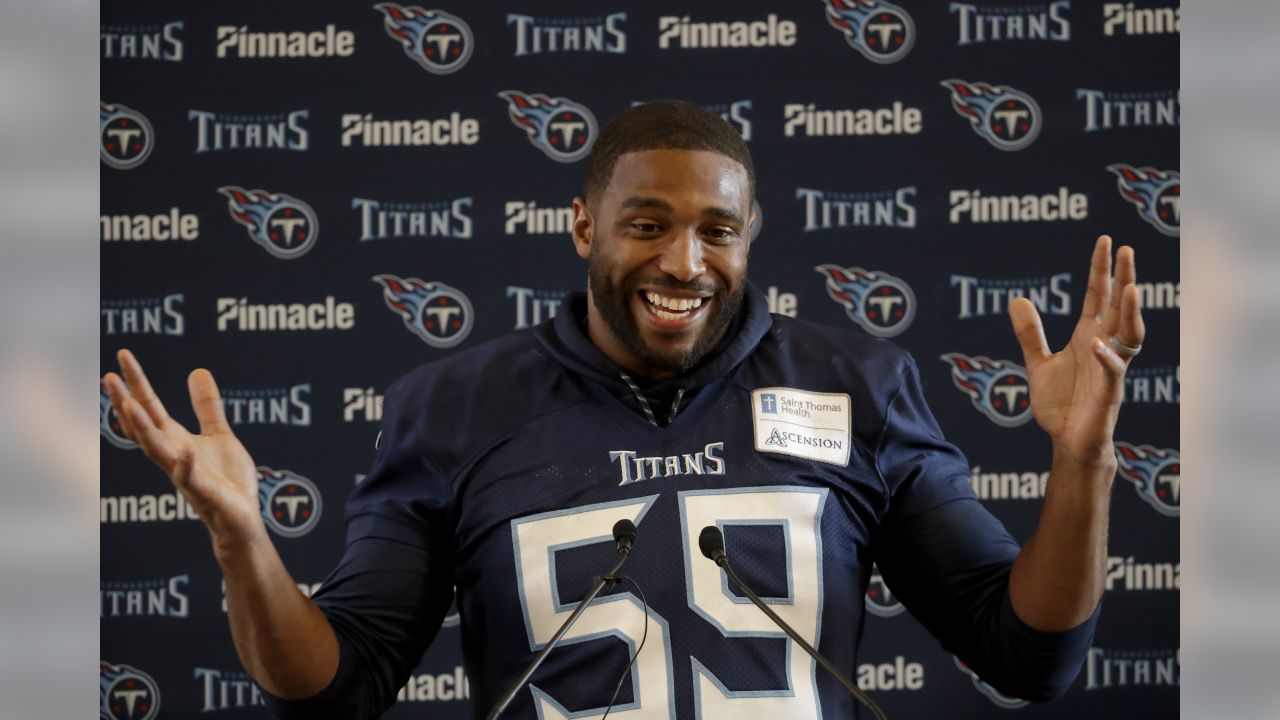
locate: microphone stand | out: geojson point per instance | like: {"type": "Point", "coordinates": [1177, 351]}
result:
{"type": "Point", "coordinates": [623, 553]}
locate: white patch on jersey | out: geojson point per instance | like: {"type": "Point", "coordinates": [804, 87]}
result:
{"type": "Point", "coordinates": [812, 425]}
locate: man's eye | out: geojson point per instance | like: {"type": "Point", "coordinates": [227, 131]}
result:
{"type": "Point", "coordinates": [645, 227]}
{"type": "Point", "coordinates": [722, 233]}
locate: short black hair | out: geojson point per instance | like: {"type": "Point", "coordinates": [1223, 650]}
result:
{"type": "Point", "coordinates": [663, 125]}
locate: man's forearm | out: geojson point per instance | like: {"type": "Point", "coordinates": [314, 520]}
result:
{"type": "Point", "coordinates": [285, 643]}
{"type": "Point", "coordinates": [1057, 579]}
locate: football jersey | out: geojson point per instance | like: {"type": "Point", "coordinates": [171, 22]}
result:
{"type": "Point", "coordinates": [502, 470]}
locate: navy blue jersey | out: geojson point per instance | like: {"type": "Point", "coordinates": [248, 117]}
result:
{"type": "Point", "coordinates": [501, 471]}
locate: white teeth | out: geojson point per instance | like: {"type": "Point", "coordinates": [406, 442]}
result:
{"type": "Point", "coordinates": [676, 305]}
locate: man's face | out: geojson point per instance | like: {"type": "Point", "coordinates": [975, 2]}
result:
{"type": "Point", "coordinates": [666, 245]}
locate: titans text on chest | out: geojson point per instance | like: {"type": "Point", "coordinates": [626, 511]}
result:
{"type": "Point", "coordinates": [634, 467]}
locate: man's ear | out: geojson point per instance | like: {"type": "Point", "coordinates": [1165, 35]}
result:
{"type": "Point", "coordinates": [583, 228]}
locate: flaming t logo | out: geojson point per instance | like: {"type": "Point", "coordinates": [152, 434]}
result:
{"type": "Point", "coordinates": [290, 503]}
{"type": "Point", "coordinates": [881, 31]}
{"type": "Point", "coordinates": [438, 314]}
{"type": "Point", "coordinates": [1156, 193]}
{"type": "Point", "coordinates": [125, 137]}
{"type": "Point", "coordinates": [126, 693]}
{"type": "Point", "coordinates": [441, 43]}
{"type": "Point", "coordinates": [1155, 473]}
{"type": "Point", "coordinates": [880, 303]}
{"type": "Point", "coordinates": [1008, 119]}
{"type": "Point", "coordinates": [559, 127]}
{"type": "Point", "coordinates": [283, 225]}
{"type": "Point", "coordinates": [997, 388]}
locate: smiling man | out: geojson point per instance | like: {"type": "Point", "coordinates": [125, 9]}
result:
{"type": "Point", "coordinates": [668, 395]}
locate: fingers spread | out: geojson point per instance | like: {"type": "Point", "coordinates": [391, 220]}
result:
{"type": "Point", "coordinates": [207, 402]}
{"type": "Point", "coordinates": [1030, 332]}
{"type": "Point", "coordinates": [140, 387]}
{"type": "Point", "coordinates": [152, 441]}
{"type": "Point", "coordinates": [116, 393]}
{"type": "Point", "coordinates": [1095, 297]}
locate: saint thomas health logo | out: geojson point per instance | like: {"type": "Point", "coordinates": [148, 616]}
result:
{"type": "Point", "coordinates": [561, 128]}
{"type": "Point", "coordinates": [126, 693]}
{"type": "Point", "coordinates": [290, 503]}
{"type": "Point", "coordinates": [997, 388]}
{"type": "Point", "coordinates": [438, 314]}
{"type": "Point", "coordinates": [441, 43]}
{"type": "Point", "coordinates": [282, 224]}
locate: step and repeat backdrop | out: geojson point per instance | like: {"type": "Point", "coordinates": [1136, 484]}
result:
{"type": "Point", "coordinates": [285, 184]}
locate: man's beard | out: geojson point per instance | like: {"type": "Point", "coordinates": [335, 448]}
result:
{"type": "Point", "coordinates": [614, 305]}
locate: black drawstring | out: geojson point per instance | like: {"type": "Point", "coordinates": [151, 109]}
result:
{"type": "Point", "coordinates": [644, 401]}
{"type": "Point", "coordinates": [675, 405]}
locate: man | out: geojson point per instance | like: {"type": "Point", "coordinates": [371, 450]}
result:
{"type": "Point", "coordinates": [502, 469]}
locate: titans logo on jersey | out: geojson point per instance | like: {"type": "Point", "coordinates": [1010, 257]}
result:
{"type": "Point", "coordinates": [880, 303]}
{"type": "Point", "coordinates": [283, 225]}
{"type": "Point", "coordinates": [1155, 473]}
{"type": "Point", "coordinates": [881, 31]}
{"type": "Point", "coordinates": [109, 423]}
{"type": "Point", "coordinates": [441, 43]}
{"type": "Point", "coordinates": [126, 693]}
{"type": "Point", "coordinates": [438, 314]}
{"type": "Point", "coordinates": [997, 388]}
{"type": "Point", "coordinates": [125, 137]}
{"type": "Point", "coordinates": [559, 127]}
{"type": "Point", "coordinates": [1009, 119]}
{"type": "Point", "coordinates": [879, 599]}
{"type": "Point", "coordinates": [290, 503]}
{"type": "Point", "coordinates": [1156, 193]}
{"type": "Point", "coordinates": [1004, 701]}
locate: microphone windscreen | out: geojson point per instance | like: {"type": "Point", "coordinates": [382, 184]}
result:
{"type": "Point", "coordinates": [624, 529]}
{"type": "Point", "coordinates": [711, 542]}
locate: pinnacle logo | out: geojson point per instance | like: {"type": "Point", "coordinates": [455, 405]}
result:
{"type": "Point", "coordinates": [997, 699]}
{"type": "Point", "coordinates": [283, 225]}
{"type": "Point", "coordinates": [1009, 119]}
{"type": "Point", "coordinates": [109, 423]}
{"type": "Point", "coordinates": [441, 43]}
{"type": "Point", "coordinates": [1156, 475]}
{"type": "Point", "coordinates": [126, 693]}
{"type": "Point", "coordinates": [290, 503]}
{"type": "Point", "coordinates": [438, 314]}
{"type": "Point", "coordinates": [878, 302]}
{"type": "Point", "coordinates": [882, 32]}
{"type": "Point", "coordinates": [997, 388]}
{"type": "Point", "coordinates": [561, 128]}
{"type": "Point", "coordinates": [1157, 194]}
{"type": "Point", "coordinates": [880, 600]}
{"type": "Point", "coordinates": [125, 137]}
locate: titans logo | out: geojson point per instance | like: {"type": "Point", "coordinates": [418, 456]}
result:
{"type": "Point", "coordinates": [880, 600]}
{"type": "Point", "coordinates": [125, 137]}
{"type": "Point", "coordinates": [440, 315]}
{"type": "Point", "coordinates": [881, 31]}
{"type": "Point", "coordinates": [559, 127]}
{"type": "Point", "coordinates": [1004, 701]}
{"type": "Point", "coordinates": [1155, 473]}
{"type": "Point", "coordinates": [998, 388]}
{"type": "Point", "coordinates": [126, 693]}
{"type": "Point", "coordinates": [282, 224]}
{"type": "Point", "coordinates": [880, 303]}
{"type": "Point", "coordinates": [441, 43]}
{"type": "Point", "coordinates": [1156, 193]}
{"type": "Point", "coordinates": [109, 424]}
{"type": "Point", "coordinates": [290, 503]}
{"type": "Point", "coordinates": [1008, 119]}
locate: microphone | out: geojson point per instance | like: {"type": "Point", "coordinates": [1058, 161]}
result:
{"type": "Point", "coordinates": [711, 542]}
{"type": "Point", "coordinates": [624, 536]}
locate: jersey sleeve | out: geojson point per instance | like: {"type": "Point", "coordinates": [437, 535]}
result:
{"type": "Point", "coordinates": [390, 592]}
{"type": "Point", "coordinates": [948, 560]}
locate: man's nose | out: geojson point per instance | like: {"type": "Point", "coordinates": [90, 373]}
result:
{"type": "Point", "coordinates": [682, 257]}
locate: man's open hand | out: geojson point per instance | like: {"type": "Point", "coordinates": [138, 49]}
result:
{"type": "Point", "coordinates": [1076, 392]}
{"type": "Point", "coordinates": [212, 470]}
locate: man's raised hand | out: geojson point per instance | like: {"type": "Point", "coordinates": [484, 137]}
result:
{"type": "Point", "coordinates": [1076, 392]}
{"type": "Point", "coordinates": [212, 470]}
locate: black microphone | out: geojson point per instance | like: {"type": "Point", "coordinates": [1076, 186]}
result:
{"type": "Point", "coordinates": [711, 542]}
{"type": "Point", "coordinates": [624, 535]}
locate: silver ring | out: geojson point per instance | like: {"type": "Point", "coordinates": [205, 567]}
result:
{"type": "Point", "coordinates": [1124, 351]}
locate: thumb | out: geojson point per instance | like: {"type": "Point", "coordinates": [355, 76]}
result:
{"type": "Point", "coordinates": [1029, 331]}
